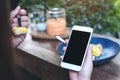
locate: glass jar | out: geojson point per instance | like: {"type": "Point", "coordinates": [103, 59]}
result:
{"type": "Point", "coordinates": [56, 21]}
{"type": "Point", "coordinates": [37, 20]}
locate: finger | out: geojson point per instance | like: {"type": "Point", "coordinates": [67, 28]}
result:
{"type": "Point", "coordinates": [89, 53]}
{"type": "Point", "coordinates": [24, 18]}
{"type": "Point", "coordinates": [23, 12]}
{"type": "Point", "coordinates": [15, 20]}
{"type": "Point", "coordinates": [64, 48]}
{"type": "Point", "coordinates": [61, 57]}
{"type": "Point", "coordinates": [24, 24]}
{"type": "Point", "coordinates": [15, 12]}
{"type": "Point", "coordinates": [14, 24]}
{"type": "Point", "coordinates": [88, 59]}
{"type": "Point", "coordinates": [66, 40]}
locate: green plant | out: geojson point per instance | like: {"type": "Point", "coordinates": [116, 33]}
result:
{"type": "Point", "coordinates": [102, 15]}
{"type": "Point", "coordinates": [99, 14]}
{"type": "Point", "coordinates": [31, 5]}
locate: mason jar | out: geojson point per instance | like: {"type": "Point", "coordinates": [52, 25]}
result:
{"type": "Point", "coordinates": [37, 20]}
{"type": "Point", "coordinates": [56, 21]}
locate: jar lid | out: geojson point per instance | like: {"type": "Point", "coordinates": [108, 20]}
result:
{"type": "Point", "coordinates": [55, 11]}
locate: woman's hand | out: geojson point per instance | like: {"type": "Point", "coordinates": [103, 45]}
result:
{"type": "Point", "coordinates": [23, 15]}
{"type": "Point", "coordinates": [14, 23]}
{"type": "Point", "coordinates": [86, 71]}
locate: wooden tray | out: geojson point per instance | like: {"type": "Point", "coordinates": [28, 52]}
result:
{"type": "Point", "coordinates": [44, 35]}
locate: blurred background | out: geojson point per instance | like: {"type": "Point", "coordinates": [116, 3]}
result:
{"type": "Point", "coordinates": [102, 15]}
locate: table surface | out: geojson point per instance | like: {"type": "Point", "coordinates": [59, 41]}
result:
{"type": "Point", "coordinates": [42, 52]}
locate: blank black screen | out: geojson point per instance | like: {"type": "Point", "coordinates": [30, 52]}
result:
{"type": "Point", "coordinates": [76, 48]}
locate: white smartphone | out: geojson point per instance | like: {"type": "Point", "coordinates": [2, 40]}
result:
{"type": "Point", "coordinates": [75, 53]}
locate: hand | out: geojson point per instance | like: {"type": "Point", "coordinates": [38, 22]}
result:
{"type": "Point", "coordinates": [17, 40]}
{"type": "Point", "coordinates": [14, 23]}
{"type": "Point", "coordinates": [86, 71]}
{"type": "Point", "coordinates": [14, 20]}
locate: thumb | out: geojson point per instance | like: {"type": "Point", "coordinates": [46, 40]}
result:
{"type": "Point", "coordinates": [15, 12]}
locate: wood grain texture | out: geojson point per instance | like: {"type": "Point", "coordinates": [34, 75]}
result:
{"type": "Point", "coordinates": [40, 58]}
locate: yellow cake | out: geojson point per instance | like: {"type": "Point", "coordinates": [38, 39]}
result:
{"type": "Point", "coordinates": [19, 30]}
{"type": "Point", "coordinates": [96, 50]}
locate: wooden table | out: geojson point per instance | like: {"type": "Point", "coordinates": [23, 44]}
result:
{"type": "Point", "coordinates": [39, 57]}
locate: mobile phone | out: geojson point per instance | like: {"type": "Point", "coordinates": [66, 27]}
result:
{"type": "Point", "coordinates": [75, 53]}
